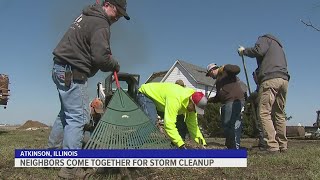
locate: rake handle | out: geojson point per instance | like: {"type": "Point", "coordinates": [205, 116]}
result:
{"type": "Point", "coordinates": [214, 84]}
{"type": "Point", "coordinates": [245, 72]}
{"type": "Point", "coordinates": [116, 78]}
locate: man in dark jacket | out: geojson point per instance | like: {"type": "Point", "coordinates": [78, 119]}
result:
{"type": "Point", "coordinates": [83, 50]}
{"type": "Point", "coordinates": [273, 80]}
{"type": "Point", "coordinates": [231, 95]}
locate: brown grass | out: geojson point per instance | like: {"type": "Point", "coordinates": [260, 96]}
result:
{"type": "Point", "coordinates": [301, 162]}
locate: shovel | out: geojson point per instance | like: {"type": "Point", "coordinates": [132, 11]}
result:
{"type": "Point", "coordinates": [252, 104]}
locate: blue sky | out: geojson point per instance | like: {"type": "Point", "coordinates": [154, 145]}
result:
{"type": "Point", "coordinates": [159, 33]}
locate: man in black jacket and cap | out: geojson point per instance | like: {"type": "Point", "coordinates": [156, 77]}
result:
{"type": "Point", "coordinates": [230, 94]}
{"type": "Point", "coordinates": [81, 53]}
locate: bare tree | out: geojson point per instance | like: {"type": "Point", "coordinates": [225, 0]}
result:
{"type": "Point", "coordinates": [309, 23]}
{"type": "Point", "coordinates": [315, 7]}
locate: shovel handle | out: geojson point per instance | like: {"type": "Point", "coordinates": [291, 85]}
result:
{"type": "Point", "coordinates": [245, 72]}
{"type": "Point", "coordinates": [116, 78]}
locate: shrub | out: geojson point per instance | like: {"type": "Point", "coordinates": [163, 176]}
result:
{"type": "Point", "coordinates": [210, 121]}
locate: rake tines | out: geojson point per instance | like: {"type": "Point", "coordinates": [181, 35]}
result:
{"type": "Point", "coordinates": [125, 126]}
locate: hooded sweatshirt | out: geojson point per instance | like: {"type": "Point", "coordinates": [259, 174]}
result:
{"type": "Point", "coordinates": [86, 44]}
{"type": "Point", "coordinates": [270, 57]}
{"type": "Point", "coordinates": [173, 99]}
{"type": "Point", "coordinates": [228, 85]}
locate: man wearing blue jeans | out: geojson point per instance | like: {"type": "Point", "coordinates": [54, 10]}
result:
{"type": "Point", "coordinates": [74, 112]}
{"type": "Point", "coordinates": [232, 123]}
{"type": "Point", "coordinates": [231, 96]}
{"type": "Point", "coordinates": [83, 50]}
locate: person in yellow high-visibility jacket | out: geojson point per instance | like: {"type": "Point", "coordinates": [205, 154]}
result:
{"type": "Point", "coordinates": [172, 99]}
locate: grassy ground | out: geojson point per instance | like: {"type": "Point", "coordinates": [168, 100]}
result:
{"type": "Point", "coordinates": [301, 162]}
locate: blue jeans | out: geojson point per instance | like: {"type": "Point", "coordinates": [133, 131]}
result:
{"type": "Point", "coordinates": [67, 130]}
{"type": "Point", "coordinates": [148, 107]}
{"type": "Point", "coordinates": [232, 123]}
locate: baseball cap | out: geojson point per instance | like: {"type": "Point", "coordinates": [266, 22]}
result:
{"type": "Point", "coordinates": [200, 101]}
{"type": "Point", "coordinates": [210, 67]}
{"type": "Point", "coordinates": [180, 82]}
{"type": "Point", "coordinates": [97, 105]}
{"type": "Point", "coordinates": [121, 7]}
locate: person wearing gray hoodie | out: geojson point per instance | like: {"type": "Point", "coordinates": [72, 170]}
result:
{"type": "Point", "coordinates": [273, 78]}
{"type": "Point", "coordinates": [80, 54]}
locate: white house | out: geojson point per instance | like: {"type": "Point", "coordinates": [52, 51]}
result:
{"type": "Point", "coordinates": [193, 77]}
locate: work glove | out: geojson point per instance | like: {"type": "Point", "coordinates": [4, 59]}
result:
{"type": "Point", "coordinates": [183, 147]}
{"type": "Point", "coordinates": [117, 67]}
{"type": "Point", "coordinates": [240, 50]}
{"type": "Point", "coordinates": [202, 145]}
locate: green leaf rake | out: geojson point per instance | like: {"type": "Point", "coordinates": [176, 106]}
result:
{"type": "Point", "coordinates": [125, 126]}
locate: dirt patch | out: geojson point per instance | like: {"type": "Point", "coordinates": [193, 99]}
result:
{"type": "Point", "coordinates": [33, 124]}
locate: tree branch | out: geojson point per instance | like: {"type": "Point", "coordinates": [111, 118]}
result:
{"type": "Point", "coordinates": [310, 24]}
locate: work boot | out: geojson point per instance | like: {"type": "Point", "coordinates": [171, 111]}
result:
{"type": "Point", "coordinates": [73, 173]}
{"type": "Point", "coordinates": [283, 150]}
{"type": "Point", "coordinates": [259, 146]}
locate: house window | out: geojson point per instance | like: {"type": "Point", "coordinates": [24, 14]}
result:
{"type": "Point", "coordinates": [179, 72]}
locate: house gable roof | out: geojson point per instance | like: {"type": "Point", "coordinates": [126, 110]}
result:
{"type": "Point", "coordinates": [196, 72]}
{"type": "Point", "coordinates": [156, 76]}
